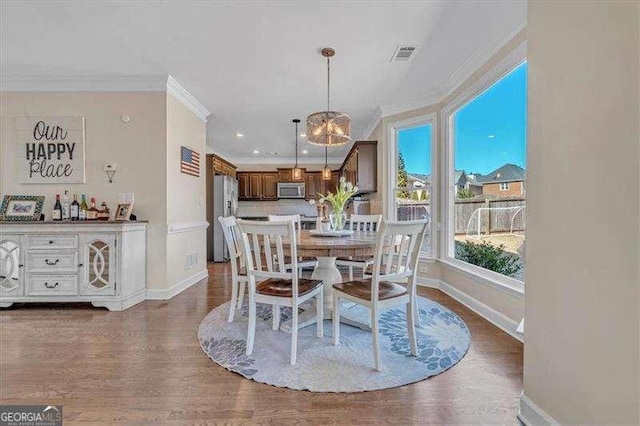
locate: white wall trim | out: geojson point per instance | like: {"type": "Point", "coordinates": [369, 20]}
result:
{"type": "Point", "coordinates": [472, 64]}
{"type": "Point", "coordinates": [285, 161]}
{"type": "Point", "coordinates": [477, 59]}
{"type": "Point", "coordinates": [492, 279]}
{"type": "Point", "coordinates": [84, 83]}
{"type": "Point", "coordinates": [432, 99]}
{"type": "Point", "coordinates": [531, 414]}
{"type": "Point", "coordinates": [176, 90]}
{"type": "Point", "coordinates": [496, 318]}
{"type": "Point", "coordinates": [179, 228]}
{"type": "Point", "coordinates": [366, 134]}
{"type": "Point", "coordinates": [166, 294]}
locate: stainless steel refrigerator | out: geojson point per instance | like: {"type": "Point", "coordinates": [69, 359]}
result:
{"type": "Point", "coordinates": [225, 203]}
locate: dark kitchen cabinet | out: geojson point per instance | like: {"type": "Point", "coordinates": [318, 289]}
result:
{"type": "Point", "coordinates": [270, 186]}
{"type": "Point", "coordinates": [360, 167]}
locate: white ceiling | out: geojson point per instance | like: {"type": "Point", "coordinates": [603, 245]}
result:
{"type": "Point", "coordinates": [256, 66]}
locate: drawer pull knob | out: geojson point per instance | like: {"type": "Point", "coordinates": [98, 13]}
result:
{"type": "Point", "coordinates": [51, 263]}
{"type": "Point", "coordinates": [80, 265]}
{"type": "Point", "coordinates": [21, 265]}
{"type": "Point", "coordinates": [51, 241]}
{"type": "Point", "coordinates": [51, 286]}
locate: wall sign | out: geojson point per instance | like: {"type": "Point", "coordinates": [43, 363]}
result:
{"type": "Point", "coordinates": [50, 149]}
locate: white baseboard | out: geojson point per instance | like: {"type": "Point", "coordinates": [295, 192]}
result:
{"type": "Point", "coordinates": [532, 415]}
{"type": "Point", "coordinates": [501, 321]}
{"type": "Point", "coordinates": [166, 294]}
{"type": "Point", "coordinates": [429, 282]}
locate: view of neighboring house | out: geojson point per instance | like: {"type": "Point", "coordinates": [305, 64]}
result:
{"type": "Point", "coordinates": [505, 181]}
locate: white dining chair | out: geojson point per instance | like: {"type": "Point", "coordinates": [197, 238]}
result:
{"type": "Point", "coordinates": [306, 262]}
{"type": "Point", "coordinates": [272, 283]}
{"type": "Point", "coordinates": [360, 222]}
{"type": "Point", "coordinates": [236, 258]}
{"type": "Point", "coordinates": [396, 258]}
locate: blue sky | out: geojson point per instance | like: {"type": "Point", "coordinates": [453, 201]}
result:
{"type": "Point", "coordinates": [489, 131]}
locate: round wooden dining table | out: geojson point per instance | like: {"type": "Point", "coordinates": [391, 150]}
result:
{"type": "Point", "coordinates": [326, 250]}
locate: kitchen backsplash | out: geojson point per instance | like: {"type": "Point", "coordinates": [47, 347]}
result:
{"type": "Point", "coordinates": [264, 208]}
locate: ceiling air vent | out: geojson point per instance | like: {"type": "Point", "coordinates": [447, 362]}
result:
{"type": "Point", "coordinates": [403, 53]}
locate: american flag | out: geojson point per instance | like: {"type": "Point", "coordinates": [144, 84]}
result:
{"type": "Point", "coordinates": [189, 161]}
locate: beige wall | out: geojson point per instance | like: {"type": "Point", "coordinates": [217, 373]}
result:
{"type": "Point", "coordinates": [581, 360]}
{"type": "Point", "coordinates": [136, 147]}
{"type": "Point", "coordinates": [185, 193]}
{"type": "Point", "coordinates": [147, 153]}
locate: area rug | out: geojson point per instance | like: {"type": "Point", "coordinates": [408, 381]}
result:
{"type": "Point", "coordinates": [443, 340]}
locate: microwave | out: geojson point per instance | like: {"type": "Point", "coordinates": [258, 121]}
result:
{"type": "Point", "coordinates": [291, 190]}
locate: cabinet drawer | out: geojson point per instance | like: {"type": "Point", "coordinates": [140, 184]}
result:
{"type": "Point", "coordinates": [52, 285]}
{"type": "Point", "coordinates": [52, 261]}
{"type": "Point", "coordinates": [52, 241]}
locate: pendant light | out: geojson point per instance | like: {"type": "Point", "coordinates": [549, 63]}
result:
{"type": "Point", "coordinates": [326, 171]}
{"type": "Point", "coordinates": [328, 128]}
{"type": "Point", "coordinates": [296, 173]}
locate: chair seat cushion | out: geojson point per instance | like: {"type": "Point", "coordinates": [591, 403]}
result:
{"type": "Point", "coordinates": [283, 288]}
{"type": "Point", "coordinates": [361, 289]}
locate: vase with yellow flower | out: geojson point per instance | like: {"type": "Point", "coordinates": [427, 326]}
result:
{"type": "Point", "coordinates": [338, 202]}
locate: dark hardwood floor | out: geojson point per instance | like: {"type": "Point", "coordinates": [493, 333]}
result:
{"type": "Point", "coordinates": [145, 366]}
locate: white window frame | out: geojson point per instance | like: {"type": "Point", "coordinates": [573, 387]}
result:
{"type": "Point", "coordinates": [390, 185]}
{"type": "Point", "coordinates": [448, 186]}
{"type": "Point", "coordinates": [504, 186]}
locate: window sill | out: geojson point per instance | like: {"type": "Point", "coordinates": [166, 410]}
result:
{"type": "Point", "coordinates": [492, 279]}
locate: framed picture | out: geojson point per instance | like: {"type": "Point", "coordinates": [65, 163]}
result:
{"type": "Point", "coordinates": [21, 208]}
{"type": "Point", "coordinates": [124, 211]}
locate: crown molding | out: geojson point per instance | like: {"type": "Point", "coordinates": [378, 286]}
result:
{"type": "Point", "coordinates": [176, 90]}
{"type": "Point", "coordinates": [288, 162]}
{"type": "Point", "coordinates": [84, 83]}
{"type": "Point", "coordinates": [366, 134]}
{"type": "Point", "coordinates": [105, 83]}
{"type": "Point", "coordinates": [472, 64]}
{"type": "Point", "coordinates": [432, 98]}
{"type": "Point", "coordinates": [477, 59]}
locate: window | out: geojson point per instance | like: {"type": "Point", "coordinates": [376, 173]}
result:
{"type": "Point", "coordinates": [486, 146]}
{"type": "Point", "coordinates": [412, 184]}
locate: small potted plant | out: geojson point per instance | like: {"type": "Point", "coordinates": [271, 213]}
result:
{"type": "Point", "coordinates": [338, 201]}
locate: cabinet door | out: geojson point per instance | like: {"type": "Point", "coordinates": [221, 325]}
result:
{"type": "Point", "coordinates": [285, 175]}
{"type": "Point", "coordinates": [243, 186]}
{"type": "Point", "coordinates": [11, 258]}
{"type": "Point", "coordinates": [255, 186]}
{"type": "Point", "coordinates": [269, 186]}
{"type": "Point", "coordinates": [98, 276]}
{"type": "Point", "coordinates": [314, 185]}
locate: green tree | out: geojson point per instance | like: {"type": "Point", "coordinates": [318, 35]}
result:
{"type": "Point", "coordinates": [402, 179]}
{"type": "Point", "coordinates": [465, 193]}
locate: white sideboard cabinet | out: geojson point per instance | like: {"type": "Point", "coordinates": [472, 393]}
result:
{"type": "Point", "coordinates": [99, 262]}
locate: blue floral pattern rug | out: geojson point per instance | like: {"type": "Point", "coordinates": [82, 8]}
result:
{"type": "Point", "coordinates": [443, 340]}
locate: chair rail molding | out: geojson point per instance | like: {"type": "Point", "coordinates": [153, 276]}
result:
{"type": "Point", "coordinates": [181, 227]}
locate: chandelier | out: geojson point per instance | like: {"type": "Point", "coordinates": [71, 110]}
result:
{"type": "Point", "coordinates": [328, 128]}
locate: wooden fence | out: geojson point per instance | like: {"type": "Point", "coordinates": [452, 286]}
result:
{"type": "Point", "coordinates": [490, 221]}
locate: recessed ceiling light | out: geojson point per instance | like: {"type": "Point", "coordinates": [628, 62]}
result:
{"type": "Point", "coordinates": [303, 135]}
{"type": "Point", "coordinates": [491, 136]}
{"type": "Point", "coordinates": [304, 151]}
{"type": "Point", "coordinates": [255, 151]}
{"type": "Point", "coordinates": [239, 135]}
